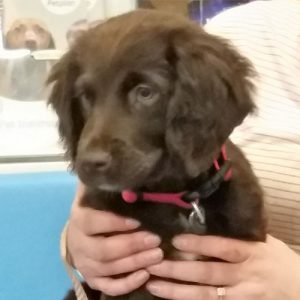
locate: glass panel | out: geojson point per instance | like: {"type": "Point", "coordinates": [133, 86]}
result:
{"type": "Point", "coordinates": [34, 37]}
{"type": "Point", "coordinates": [35, 33]}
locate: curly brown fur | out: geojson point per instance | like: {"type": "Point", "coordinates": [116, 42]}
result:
{"type": "Point", "coordinates": [145, 102]}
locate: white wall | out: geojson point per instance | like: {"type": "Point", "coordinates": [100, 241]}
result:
{"type": "Point", "coordinates": [115, 7]}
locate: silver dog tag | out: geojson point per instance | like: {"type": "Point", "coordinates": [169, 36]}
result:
{"type": "Point", "coordinates": [197, 218]}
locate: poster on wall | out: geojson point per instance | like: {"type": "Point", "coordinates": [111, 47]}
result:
{"type": "Point", "coordinates": [35, 35]}
{"type": "Point", "coordinates": [202, 11]}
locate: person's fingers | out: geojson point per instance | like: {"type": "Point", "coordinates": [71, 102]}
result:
{"type": "Point", "coordinates": [134, 262]}
{"type": "Point", "coordinates": [175, 291]}
{"type": "Point", "coordinates": [121, 286]}
{"type": "Point", "coordinates": [91, 268]}
{"type": "Point", "coordinates": [202, 272]}
{"type": "Point", "coordinates": [122, 245]}
{"type": "Point", "coordinates": [93, 222]}
{"type": "Point", "coordinates": [227, 249]}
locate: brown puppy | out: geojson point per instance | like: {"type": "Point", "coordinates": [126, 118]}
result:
{"type": "Point", "coordinates": [29, 33]}
{"type": "Point", "coordinates": [145, 102]}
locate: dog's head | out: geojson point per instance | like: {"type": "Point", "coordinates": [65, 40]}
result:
{"type": "Point", "coordinates": [148, 93]}
{"type": "Point", "coordinates": [30, 34]}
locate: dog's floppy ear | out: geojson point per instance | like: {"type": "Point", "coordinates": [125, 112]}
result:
{"type": "Point", "coordinates": [62, 99]}
{"type": "Point", "coordinates": [213, 95]}
{"type": "Point", "coordinates": [8, 43]}
{"type": "Point", "coordinates": [51, 42]}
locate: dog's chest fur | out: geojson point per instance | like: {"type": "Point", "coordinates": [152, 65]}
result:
{"type": "Point", "coordinates": [235, 210]}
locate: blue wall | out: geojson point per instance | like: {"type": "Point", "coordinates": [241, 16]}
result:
{"type": "Point", "coordinates": [33, 210]}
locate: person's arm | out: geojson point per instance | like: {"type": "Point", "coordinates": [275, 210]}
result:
{"type": "Point", "coordinates": [98, 257]}
{"type": "Point", "coordinates": [251, 271]}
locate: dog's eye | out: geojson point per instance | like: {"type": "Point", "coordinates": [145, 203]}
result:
{"type": "Point", "coordinates": [86, 95]}
{"type": "Point", "coordinates": [40, 30]}
{"type": "Point", "coordinates": [86, 98]}
{"type": "Point", "coordinates": [143, 94]}
{"type": "Point", "coordinates": [19, 29]}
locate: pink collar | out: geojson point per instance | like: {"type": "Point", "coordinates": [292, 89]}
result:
{"type": "Point", "coordinates": [184, 199]}
{"type": "Point", "coordinates": [171, 198]}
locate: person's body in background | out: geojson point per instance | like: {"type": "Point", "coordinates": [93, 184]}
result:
{"type": "Point", "coordinates": [268, 33]}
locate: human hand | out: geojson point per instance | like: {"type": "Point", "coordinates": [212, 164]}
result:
{"type": "Point", "coordinates": [252, 271]}
{"type": "Point", "coordinates": [98, 257]}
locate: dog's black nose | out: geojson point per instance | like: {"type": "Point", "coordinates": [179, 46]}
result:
{"type": "Point", "coordinates": [95, 163]}
{"type": "Point", "coordinates": [31, 44]}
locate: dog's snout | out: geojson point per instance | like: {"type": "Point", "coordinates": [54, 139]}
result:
{"type": "Point", "coordinates": [30, 35]}
{"type": "Point", "coordinates": [95, 163]}
{"type": "Point", "coordinates": [31, 44]}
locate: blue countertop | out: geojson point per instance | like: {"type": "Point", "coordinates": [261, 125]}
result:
{"type": "Point", "coordinates": [34, 208]}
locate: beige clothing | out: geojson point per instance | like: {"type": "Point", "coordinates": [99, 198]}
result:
{"type": "Point", "coordinates": [268, 33]}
